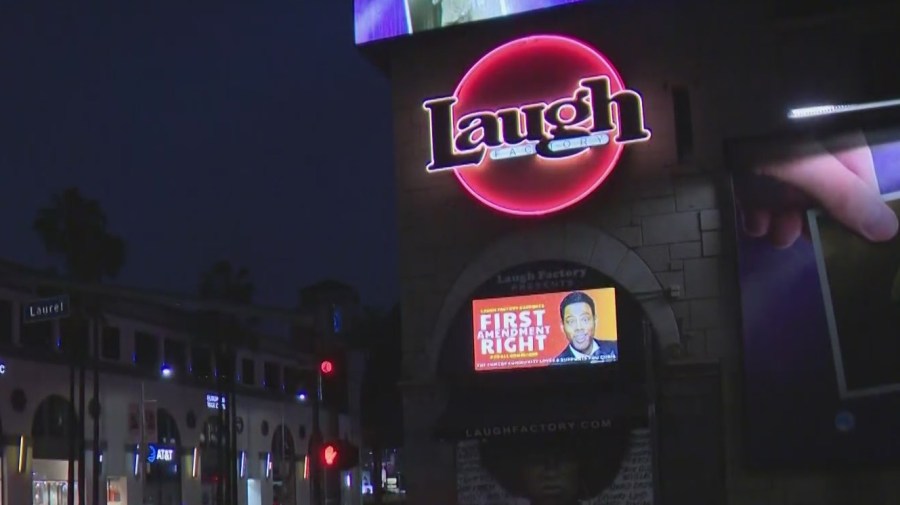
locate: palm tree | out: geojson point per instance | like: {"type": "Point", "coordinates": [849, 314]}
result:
{"type": "Point", "coordinates": [224, 282]}
{"type": "Point", "coordinates": [75, 228]}
{"type": "Point", "coordinates": [225, 332]}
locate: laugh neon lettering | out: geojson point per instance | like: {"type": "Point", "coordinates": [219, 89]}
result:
{"type": "Point", "coordinates": [543, 119]}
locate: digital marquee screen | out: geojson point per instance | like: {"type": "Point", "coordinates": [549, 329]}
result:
{"type": "Point", "coordinates": [548, 329]}
{"type": "Point", "coordinates": [383, 19]}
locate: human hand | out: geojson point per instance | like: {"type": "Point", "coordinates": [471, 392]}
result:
{"type": "Point", "coordinates": [837, 175]}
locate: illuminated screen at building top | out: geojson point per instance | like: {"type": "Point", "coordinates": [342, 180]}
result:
{"type": "Point", "coordinates": [383, 19]}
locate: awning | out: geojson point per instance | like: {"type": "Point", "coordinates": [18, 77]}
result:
{"type": "Point", "coordinates": [482, 413]}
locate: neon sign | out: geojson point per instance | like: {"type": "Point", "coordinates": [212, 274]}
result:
{"type": "Point", "coordinates": [214, 401]}
{"type": "Point", "coordinates": [535, 126]}
{"type": "Point", "coordinates": [155, 454]}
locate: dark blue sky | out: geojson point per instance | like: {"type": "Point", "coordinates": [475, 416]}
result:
{"type": "Point", "coordinates": [207, 130]}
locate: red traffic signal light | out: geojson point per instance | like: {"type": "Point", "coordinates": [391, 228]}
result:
{"type": "Point", "coordinates": [339, 455]}
{"type": "Point", "coordinates": [330, 454]}
{"type": "Point", "coordinates": [327, 366]}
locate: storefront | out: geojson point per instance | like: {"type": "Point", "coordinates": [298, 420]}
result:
{"type": "Point", "coordinates": [284, 467]}
{"type": "Point", "coordinates": [52, 429]}
{"type": "Point", "coordinates": [162, 464]}
{"type": "Point", "coordinates": [117, 491]}
{"type": "Point", "coordinates": [388, 469]}
{"type": "Point", "coordinates": [557, 381]}
{"type": "Point", "coordinates": [162, 481]}
{"type": "Point", "coordinates": [50, 484]}
{"type": "Point", "coordinates": [574, 156]}
{"type": "Point", "coordinates": [213, 456]}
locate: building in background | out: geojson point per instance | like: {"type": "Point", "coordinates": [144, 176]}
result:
{"type": "Point", "coordinates": [381, 413]}
{"type": "Point", "coordinates": [645, 154]}
{"type": "Point", "coordinates": [158, 353]}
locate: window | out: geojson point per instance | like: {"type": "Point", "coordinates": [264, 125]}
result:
{"type": "Point", "coordinates": [248, 372]}
{"type": "Point", "coordinates": [684, 129]}
{"type": "Point", "coordinates": [111, 343]}
{"type": "Point", "coordinates": [225, 365]}
{"type": "Point", "coordinates": [6, 329]}
{"type": "Point", "coordinates": [337, 319]}
{"type": "Point", "coordinates": [146, 350]}
{"type": "Point", "coordinates": [37, 336]}
{"type": "Point", "coordinates": [175, 355]}
{"type": "Point", "coordinates": [295, 381]}
{"type": "Point", "coordinates": [271, 376]}
{"type": "Point", "coordinates": [74, 336]}
{"type": "Point", "coordinates": [201, 363]}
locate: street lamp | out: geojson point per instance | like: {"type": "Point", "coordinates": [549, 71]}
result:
{"type": "Point", "coordinates": [301, 396]}
{"type": "Point", "coordinates": [165, 371]}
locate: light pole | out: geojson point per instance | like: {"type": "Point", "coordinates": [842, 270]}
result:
{"type": "Point", "coordinates": [166, 372]}
{"type": "Point", "coordinates": [315, 438]}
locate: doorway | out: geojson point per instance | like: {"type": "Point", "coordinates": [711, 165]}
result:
{"type": "Point", "coordinates": [52, 492]}
{"type": "Point", "coordinates": [254, 492]}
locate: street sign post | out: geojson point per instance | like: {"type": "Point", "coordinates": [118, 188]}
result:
{"type": "Point", "coordinates": [46, 309]}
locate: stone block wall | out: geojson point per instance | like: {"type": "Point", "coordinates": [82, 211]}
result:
{"type": "Point", "coordinates": [676, 215]}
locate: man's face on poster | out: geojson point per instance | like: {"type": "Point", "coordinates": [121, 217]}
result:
{"type": "Point", "coordinates": [551, 478]}
{"type": "Point", "coordinates": [578, 325]}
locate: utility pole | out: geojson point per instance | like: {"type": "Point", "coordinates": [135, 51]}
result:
{"type": "Point", "coordinates": [232, 426]}
{"type": "Point", "coordinates": [82, 354]}
{"type": "Point", "coordinates": [315, 441]}
{"type": "Point", "coordinates": [95, 332]}
{"type": "Point", "coordinates": [140, 449]}
{"type": "Point", "coordinates": [222, 426]}
{"type": "Point", "coordinates": [72, 426]}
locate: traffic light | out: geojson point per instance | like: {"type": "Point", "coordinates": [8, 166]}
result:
{"type": "Point", "coordinates": [333, 371]}
{"type": "Point", "coordinates": [338, 455]}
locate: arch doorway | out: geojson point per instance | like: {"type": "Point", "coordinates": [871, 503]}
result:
{"type": "Point", "coordinates": [578, 244]}
{"type": "Point", "coordinates": [52, 428]}
{"type": "Point", "coordinates": [284, 468]}
{"type": "Point", "coordinates": [218, 467]}
{"type": "Point", "coordinates": [163, 482]}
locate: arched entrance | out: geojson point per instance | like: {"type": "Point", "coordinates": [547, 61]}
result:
{"type": "Point", "coordinates": [579, 244]}
{"type": "Point", "coordinates": [284, 467]}
{"type": "Point", "coordinates": [547, 424]}
{"type": "Point", "coordinates": [163, 482]}
{"type": "Point", "coordinates": [52, 429]}
{"type": "Point", "coordinates": [212, 459]}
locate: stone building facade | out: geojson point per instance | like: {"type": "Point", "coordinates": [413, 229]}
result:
{"type": "Point", "coordinates": [663, 223]}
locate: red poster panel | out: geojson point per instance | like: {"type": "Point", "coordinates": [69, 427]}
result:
{"type": "Point", "coordinates": [548, 329]}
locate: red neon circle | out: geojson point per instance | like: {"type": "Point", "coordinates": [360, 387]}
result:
{"type": "Point", "coordinates": [541, 68]}
{"type": "Point", "coordinates": [327, 367]}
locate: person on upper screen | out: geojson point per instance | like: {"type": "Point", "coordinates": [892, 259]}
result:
{"type": "Point", "coordinates": [424, 14]}
{"type": "Point", "coordinates": [579, 323]}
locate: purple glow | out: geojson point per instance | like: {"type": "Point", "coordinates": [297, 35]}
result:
{"type": "Point", "coordinates": [790, 384]}
{"type": "Point", "coordinates": [382, 19]}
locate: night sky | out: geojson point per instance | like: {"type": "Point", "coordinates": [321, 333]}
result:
{"type": "Point", "coordinates": [207, 130]}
